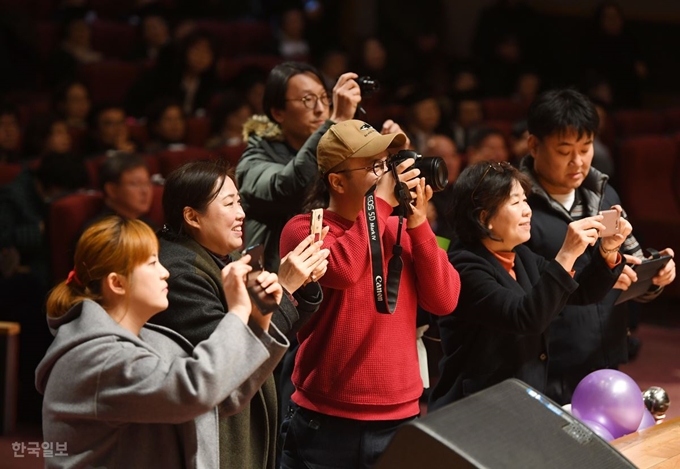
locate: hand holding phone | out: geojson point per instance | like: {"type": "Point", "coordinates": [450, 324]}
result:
{"type": "Point", "coordinates": [264, 301]}
{"type": "Point", "coordinates": [611, 220]}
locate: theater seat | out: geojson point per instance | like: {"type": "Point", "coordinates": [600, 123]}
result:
{"type": "Point", "coordinates": [504, 109]}
{"type": "Point", "coordinates": [67, 216]}
{"type": "Point", "coordinates": [171, 160]}
{"type": "Point", "coordinates": [113, 39]}
{"type": "Point", "coordinates": [231, 154]}
{"type": "Point", "coordinates": [631, 123]}
{"type": "Point", "coordinates": [198, 131]}
{"type": "Point", "coordinates": [8, 172]}
{"type": "Point", "coordinates": [672, 117]}
{"type": "Point", "coordinates": [648, 192]}
{"type": "Point", "coordinates": [109, 80]}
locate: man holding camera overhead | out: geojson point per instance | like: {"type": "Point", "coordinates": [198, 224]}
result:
{"type": "Point", "coordinates": [279, 162]}
{"type": "Point", "coordinates": [356, 373]}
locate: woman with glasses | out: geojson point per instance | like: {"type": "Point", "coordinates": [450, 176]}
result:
{"type": "Point", "coordinates": [509, 295]}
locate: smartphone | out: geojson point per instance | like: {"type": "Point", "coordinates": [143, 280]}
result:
{"type": "Point", "coordinates": [610, 220]}
{"type": "Point", "coordinates": [316, 223]}
{"type": "Point", "coordinates": [265, 302]}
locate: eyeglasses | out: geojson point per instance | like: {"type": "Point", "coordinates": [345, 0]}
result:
{"type": "Point", "coordinates": [378, 167]}
{"type": "Point", "coordinates": [310, 100]}
{"type": "Point", "coordinates": [136, 185]}
{"type": "Point", "coordinates": [498, 166]}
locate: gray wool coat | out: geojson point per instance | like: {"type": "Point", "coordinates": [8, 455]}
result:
{"type": "Point", "coordinates": [120, 400]}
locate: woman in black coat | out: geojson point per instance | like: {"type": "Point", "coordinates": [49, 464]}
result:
{"type": "Point", "coordinates": [509, 295]}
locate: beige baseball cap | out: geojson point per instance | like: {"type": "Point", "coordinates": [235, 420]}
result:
{"type": "Point", "coordinates": [353, 139]}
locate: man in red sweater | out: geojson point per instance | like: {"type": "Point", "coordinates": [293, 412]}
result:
{"type": "Point", "coordinates": [356, 373]}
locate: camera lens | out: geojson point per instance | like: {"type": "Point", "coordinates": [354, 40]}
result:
{"type": "Point", "coordinates": [435, 172]}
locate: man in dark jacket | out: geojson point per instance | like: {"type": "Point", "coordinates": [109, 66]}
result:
{"type": "Point", "coordinates": [279, 163]}
{"type": "Point", "coordinates": [562, 125]}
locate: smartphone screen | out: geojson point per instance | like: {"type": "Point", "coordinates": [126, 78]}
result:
{"type": "Point", "coordinates": [610, 220]}
{"type": "Point", "coordinates": [316, 223]}
{"type": "Point", "coordinates": [265, 302]}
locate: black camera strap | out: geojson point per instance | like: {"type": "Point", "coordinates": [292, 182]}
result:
{"type": "Point", "coordinates": [385, 290]}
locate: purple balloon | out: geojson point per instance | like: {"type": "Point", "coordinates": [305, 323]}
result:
{"type": "Point", "coordinates": [599, 430]}
{"type": "Point", "coordinates": [647, 420]}
{"type": "Point", "coordinates": [610, 398]}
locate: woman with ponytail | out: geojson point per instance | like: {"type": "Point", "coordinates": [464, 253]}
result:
{"type": "Point", "coordinates": [122, 393]}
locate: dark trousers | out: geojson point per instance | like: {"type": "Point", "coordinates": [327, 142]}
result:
{"type": "Point", "coordinates": [312, 440]}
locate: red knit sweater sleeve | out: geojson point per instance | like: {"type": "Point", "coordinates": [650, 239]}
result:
{"type": "Point", "coordinates": [437, 282]}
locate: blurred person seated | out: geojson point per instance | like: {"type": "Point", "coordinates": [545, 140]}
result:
{"type": "Point", "coordinates": [519, 146]}
{"type": "Point", "coordinates": [528, 86]}
{"type": "Point", "coordinates": [611, 49]}
{"type": "Point", "coordinates": [228, 120]}
{"type": "Point", "coordinates": [370, 59]}
{"type": "Point", "coordinates": [155, 34]}
{"type": "Point", "coordinates": [487, 144]}
{"type": "Point", "coordinates": [467, 114]}
{"type": "Point", "coordinates": [423, 119]}
{"type": "Point", "coordinates": [75, 49]}
{"type": "Point", "coordinates": [250, 83]}
{"type": "Point", "coordinates": [167, 126]}
{"type": "Point", "coordinates": [602, 156]}
{"type": "Point", "coordinates": [292, 44]}
{"type": "Point", "coordinates": [444, 147]}
{"type": "Point", "coordinates": [128, 191]}
{"type": "Point", "coordinates": [110, 133]}
{"type": "Point", "coordinates": [47, 134]}
{"type": "Point", "coordinates": [24, 205]}
{"type": "Point", "coordinates": [185, 72]}
{"type": "Point", "coordinates": [10, 134]}
{"type": "Point", "coordinates": [333, 64]}
{"type": "Point", "coordinates": [72, 102]}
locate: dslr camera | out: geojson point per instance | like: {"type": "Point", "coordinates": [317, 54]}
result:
{"type": "Point", "coordinates": [433, 169]}
{"type": "Point", "coordinates": [368, 86]}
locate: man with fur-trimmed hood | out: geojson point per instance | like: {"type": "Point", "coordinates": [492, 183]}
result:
{"type": "Point", "coordinates": [279, 163]}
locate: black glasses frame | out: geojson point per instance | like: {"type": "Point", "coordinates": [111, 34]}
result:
{"type": "Point", "coordinates": [313, 99]}
{"type": "Point", "coordinates": [378, 167]}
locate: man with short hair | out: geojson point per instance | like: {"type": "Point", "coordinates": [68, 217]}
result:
{"type": "Point", "coordinates": [562, 126]}
{"type": "Point", "coordinates": [110, 132]}
{"type": "Point", "coordinates": [356, 374]}
{"type": "Point", "coordinates": [279, 163]}
{"type": "Point", "coordinates": [128, 191]}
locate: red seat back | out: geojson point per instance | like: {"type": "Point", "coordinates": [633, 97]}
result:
{"type": "Point", "coordinates": [632, 123]}
{"type": "Point", "coordinates": [8, 172]}
{"type": "Point", "coordinates": [67, 216]}
{"type": "Point", "coordinates": [171, 160]}
{"type": "Point", "coordinates": [198, 131]}
{"type": "Point", "coordinates": [646, 170]}
{"type": "Point", "coordinates": [113, 39]}
{"type": "Point", "coordinates": [109, 80]}
{"type": "Point", "coordinates": [231, 154]}
{"type": "Point", "coordinates": [504, 109]}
